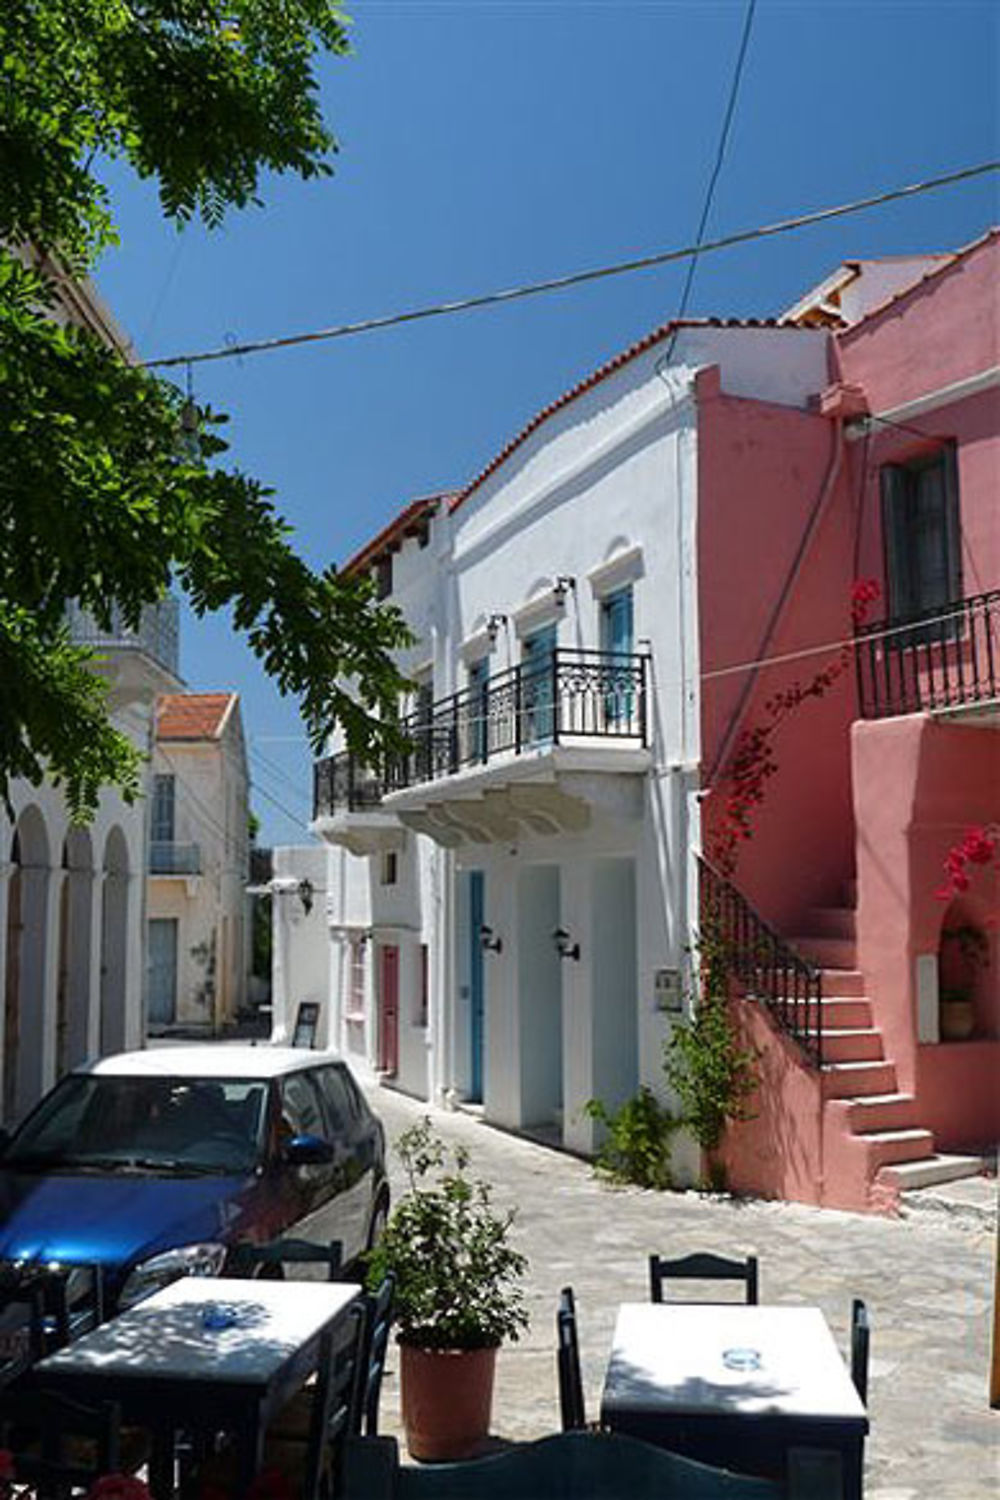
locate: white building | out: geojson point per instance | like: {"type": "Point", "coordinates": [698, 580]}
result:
{"type": "Point", "coordinates": [510, 910]}
{"type": "Point", "coordinates": [198, 927]}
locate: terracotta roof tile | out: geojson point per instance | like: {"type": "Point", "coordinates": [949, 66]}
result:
{"type": "Point", "coordinates": [391, 536]}
{"type": "Point", "coordinates": [948, 261]}
{"type": "Point", "coordinates": [192, 716]}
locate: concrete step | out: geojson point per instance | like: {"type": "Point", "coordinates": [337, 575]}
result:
{"type": "Point", "coordinates": [827, 952]}
{"type": "Point", "coordinates": [842, 982]}
{"type": "Point", "coordinates": [857, 1080]}
{"type": "Point", "coordinates": [832, 921]}
{"type": "Point", "coordinates": [936, 1168]}
{"type": "Point", "coordinates": [898, 1147]}
{"type": "Point", "coordinates": [878, 1112]}
{"type": "Point", "coordinates": [853, 1045]}
{"type": "Point", "coordinates": [853, 1012]}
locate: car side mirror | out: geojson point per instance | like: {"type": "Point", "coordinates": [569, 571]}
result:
{"type": "Point", "coordinates": [308, 1151]}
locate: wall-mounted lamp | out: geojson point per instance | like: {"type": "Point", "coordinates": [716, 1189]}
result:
{"type": "Point", "coordinates": [493, 627]}
{"type": "Point", "coordinates": [490, 940]}
{"type": "Point", "coordinates": [306, 894]}
{"type": "Point", "coordinates": [563, 586]}
{"type": "Point", "coordinates": [564, 947]}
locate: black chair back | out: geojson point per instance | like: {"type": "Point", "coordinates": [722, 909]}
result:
{"type": "Point", "coordinates": [571, 1406]}
{"type": "Point", "coordinates": [371, 1366]}
{"type": "Point", "coordinates": [270, 1259]}
{"type": "Point", "coordinates": [860, 1331]}
{"type": "Point", "coordinates": [58, 1445]}
{"type": "Point", "coordinates": [703, 1267]}
{"type": "Point", "coordinates": [334, 1402]}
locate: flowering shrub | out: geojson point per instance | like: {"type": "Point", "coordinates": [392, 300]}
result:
{"type": "Point", "coordinates": [754, 760]}
{"type": "Point", "coordinates": [978, 846]}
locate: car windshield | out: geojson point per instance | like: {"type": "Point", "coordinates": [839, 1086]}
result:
{"type": "Point", "coordinates": [92, 1122]}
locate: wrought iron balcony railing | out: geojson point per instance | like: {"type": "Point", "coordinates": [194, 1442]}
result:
{"type": "Point", "coordinates": [569, 696]}
{"type": "Point", "coordinates": [948, 657]}
{"type": "Point", "coordinates": [168, 858]}
{"type": "Point", "coordinates": [157, 635]}
{"type": "Point", "coordinates": [766, 967]}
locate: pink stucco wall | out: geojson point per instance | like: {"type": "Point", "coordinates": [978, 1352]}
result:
{"type": "Point", "coordinates": [762, 469]}
{"type": "Point", "coordinates": [918, 785]}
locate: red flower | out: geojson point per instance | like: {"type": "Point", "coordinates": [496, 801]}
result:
{"type": "Point", "coordinates": [118, 1487]}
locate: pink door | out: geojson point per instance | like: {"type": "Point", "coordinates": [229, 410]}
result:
{"type": "Point", "coordinates": [388, 1021]}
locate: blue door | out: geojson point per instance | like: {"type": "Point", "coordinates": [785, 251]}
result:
{"type": "Point", "coordinates": [476, 886]}
{"type": "Point", "coordinates": [538, 705]}
{"type": "Point", "coordinates": [479, 747]}
{"type": "Point", "coordinates": [617, 638]}
{"type": "Point", "coordinates": [162, 960]}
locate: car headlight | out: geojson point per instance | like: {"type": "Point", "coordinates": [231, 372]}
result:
{"type": "Point", "coordinates": [187, 1260]}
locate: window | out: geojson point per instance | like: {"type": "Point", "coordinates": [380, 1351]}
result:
{"type": "Point", "coordinates": [390, 868]}
{"type": "Point", "coordinates": [420, 1018]}
{"type": "Point", "coordinates": [301, 1112]}
{"type": "Point", "coordinates": [162, 823]}
{"type": "Point", "coordinates": [921, 529]}
{"type": "Point", "coordinates": [478, 708]}
{"type": "Point", "coordinates": [356, 981]}
{"type": "Point", "coordinates": [617, 639]}
{"type": "Point", "coordinates": [383, 576]}
{"type": "Point", "coordinates": [423, 727]}
{"type": "Point", "coordinates": [538, 705]}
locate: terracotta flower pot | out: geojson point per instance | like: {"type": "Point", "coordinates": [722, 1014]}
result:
{"type": "Point", "coordinates": [447, 1397]}
{"type": "Point", "coordinates": [957, 1019]}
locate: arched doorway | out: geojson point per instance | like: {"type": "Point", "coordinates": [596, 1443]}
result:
{"type": "Point", "coordinates": [73, 988]}
{"type": "Point", "coordinates": [114, 942]}
{"type": "Point", "coordinates": [27, 960]}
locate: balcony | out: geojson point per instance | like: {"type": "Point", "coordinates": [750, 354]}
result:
{"type": "Point", "coordinates": [156, 637]}
{"type": "Point", "coordinates": [946, 659]}
{"type": "Point", "coordinates": [475, 755]}
{"type": "Point", "coordinates": [168, 858]}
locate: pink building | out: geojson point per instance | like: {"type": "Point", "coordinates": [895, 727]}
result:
{"type": "Point", "coordinates": [895, 477]}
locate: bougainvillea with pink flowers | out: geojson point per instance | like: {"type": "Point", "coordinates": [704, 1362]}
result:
{"type": "Point", "coordinates": [754, 759]}
{"type": "Point", "coordinates": [977, 846]}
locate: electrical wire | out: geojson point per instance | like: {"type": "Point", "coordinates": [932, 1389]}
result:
{"type": "Point", "coordinates": [719, 157]}
{"type": "Point", "coordinates": [575, 278]}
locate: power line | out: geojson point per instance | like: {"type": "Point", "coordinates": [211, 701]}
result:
{"type": "Point", "coordinates": [576, 278]}
{"type": "Point", "coordinates": [719, 155]}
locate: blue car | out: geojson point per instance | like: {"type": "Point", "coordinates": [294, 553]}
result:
{"type": "Point", "coordinates": [151, 1165]}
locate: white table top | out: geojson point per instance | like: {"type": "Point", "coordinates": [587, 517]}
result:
{"type": "Point", "coordinates": [222, 1328]}
{"type": "Point", "coordinates": [719, 1359]}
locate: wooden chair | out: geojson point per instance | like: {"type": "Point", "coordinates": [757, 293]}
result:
{"type": "Point", "coordinates": [566, 1466]}
{"type": "Point", "coordinates": [703, 1267]}
{"type": "Point", "coordinates": [860, 1331]}
{"type": "Point", "coordinates": [58, 1445]}
{"type": "Point", "coordinates": [371, 1366]}
{"type": "Point", "coordinates": [571, 1407]}
{"type": "Point", "coordinates": [270, 1259]}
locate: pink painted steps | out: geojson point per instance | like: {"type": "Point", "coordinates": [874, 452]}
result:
{"type": "Point", "coordinates": [861, 1100]}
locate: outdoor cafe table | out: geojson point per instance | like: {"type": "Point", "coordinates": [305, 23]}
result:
{"type": "Point", "coordinates": [206, 1354]}
{"type": "Point", "coordinates": [737, 1386]}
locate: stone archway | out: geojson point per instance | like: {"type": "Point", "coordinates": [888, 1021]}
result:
{"type": "Point", "coordinates": [114, 943]}
{"type": "Point", "coordinates": [29, 950]}
{"type": "Point", "coordinates": [73, 988]}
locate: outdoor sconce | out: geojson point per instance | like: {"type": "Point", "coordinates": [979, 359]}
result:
{"type": "Point", "coordinates": [562, 586]}
{"type": "Point", "coordinates": [489, 940]}
{"type": "Point", "coordinates": [306, 894]}
{"type": "Point", "coordinates": [564, 947]}
{"type": "Point", "coordinates": [493, 627]}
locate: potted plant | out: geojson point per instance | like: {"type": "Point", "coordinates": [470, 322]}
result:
{"type": "Point", "coordinates": [457, 1295]}
{"type": "Point", "coordinates": [964, 950]}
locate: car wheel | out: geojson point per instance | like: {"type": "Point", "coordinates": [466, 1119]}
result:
{"type": "Point", "coordinates": [379, 1219]}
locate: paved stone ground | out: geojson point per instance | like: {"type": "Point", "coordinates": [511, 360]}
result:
{"type": "Point", "coordinates": [927, 1279]}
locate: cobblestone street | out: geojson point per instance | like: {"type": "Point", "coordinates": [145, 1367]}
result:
{"type": "Point", "coordinates": [927, 1280]}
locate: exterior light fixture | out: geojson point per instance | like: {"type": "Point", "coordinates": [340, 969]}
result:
{"type": "Point", "coordinates": [493, 627]}
{"type": "Point", "coordinates": [564, 947]}
{"type": "Point", "coordinates": [489, 940]}
{"type": "Point", "coordinates": [305, 889]}
{"type": "Point", "coordinates": [563, 586]}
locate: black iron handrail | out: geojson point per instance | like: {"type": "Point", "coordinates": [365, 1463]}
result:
{"type": "Point", "coordinates": [762, 961]}
{"type": "Point", "coordinates": [566, 695]}
{"type": "Point", "coordinates": [948, 657]}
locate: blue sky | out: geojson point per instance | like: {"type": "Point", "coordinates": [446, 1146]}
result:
{"type": "Point", "coordinates": [487, 144]}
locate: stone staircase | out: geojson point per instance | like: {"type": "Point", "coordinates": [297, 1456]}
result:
{"type": "Point", "coordinates": [859, 1084]}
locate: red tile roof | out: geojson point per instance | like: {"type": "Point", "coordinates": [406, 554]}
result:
{"type": "Point", "coordinates": [601, 373]}
{"type": "Point", "coordinates": [193, 716]}
{"type": "Point", "coordinates": [408, 523]}
{"type": "Point", "coordinates": [948, 262]}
